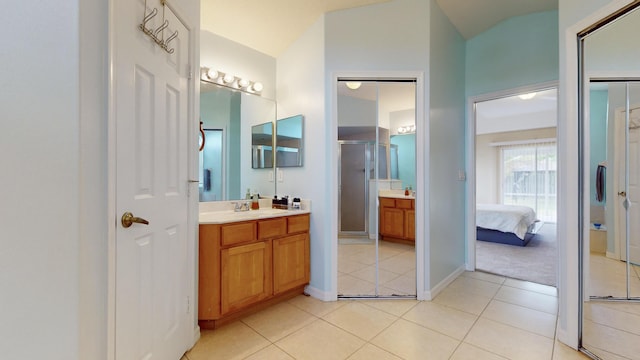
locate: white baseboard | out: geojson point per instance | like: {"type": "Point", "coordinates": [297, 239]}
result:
{"type": "Point", "coordinates": [612, 255]}
{"type": "Point", "coordinates": [319, 294]}
{"type": "Point", "coordinates": [431, 294]}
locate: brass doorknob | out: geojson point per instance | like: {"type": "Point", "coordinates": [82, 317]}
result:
{"type": "Point", "coordinates": [622, 193]}
{"type": "Point", "coordinates": [128, 219]}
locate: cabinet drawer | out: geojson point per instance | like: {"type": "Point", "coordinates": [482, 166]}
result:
{"type": "Point", "coordinates": [387, 202]}
{"type": "Point", "coordinates": [404, 203]}
{"type": "Point", "coordinates": [298, 224]}
{"type": "Point", "coordinates": [238, 233]}
{"type": "Point", "coordinates": [273, 227]}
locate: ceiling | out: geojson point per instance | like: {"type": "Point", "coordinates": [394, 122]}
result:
{"type": "Point", "coordinates": [272, 26]}
{"type": "Point", "coordinates": [513, 113]}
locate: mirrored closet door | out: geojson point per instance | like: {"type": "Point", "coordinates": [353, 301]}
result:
{"type": "Point", "coordinates": [610, 131]}
{"type": "Point", "coordinates": [376, 146]}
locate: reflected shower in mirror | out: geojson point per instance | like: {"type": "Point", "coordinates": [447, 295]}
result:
{"type": "Point", "coordinates": [262, 146]}
{"type": "Point", "coordinates": [289, 141]}
{"type": "Point", "coordinates": [225, 162]}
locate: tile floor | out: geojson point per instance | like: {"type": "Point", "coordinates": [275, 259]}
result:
{"type": "Point", "coordinates": [356, 268]}
{"type": "Point", "coordinates": [611, 330]}
{"type": "Point", "coordinates": [478, 316]}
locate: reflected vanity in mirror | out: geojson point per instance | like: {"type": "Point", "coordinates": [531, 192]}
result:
{"type": "Point", "coordinates": [262, 146]}
{"type": "Point", "coordinates": [228, 118]}
{"type": "Point", "coordinates": [289, 141]}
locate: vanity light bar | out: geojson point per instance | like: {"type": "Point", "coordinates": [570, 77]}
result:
{"type": "Point", "coordinates": [231, 81]}
{"type": "Point", "coordinates": [407, 129]}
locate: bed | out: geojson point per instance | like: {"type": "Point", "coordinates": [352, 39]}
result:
{"type": "Point", "coordinates": [506, 224]}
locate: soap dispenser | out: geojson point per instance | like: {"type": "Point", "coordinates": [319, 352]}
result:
{"type": "Point", "coordinates": [255, 203]}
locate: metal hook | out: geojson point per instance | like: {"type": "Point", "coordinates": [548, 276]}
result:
{"type": "Point", "coordinates": [203, 137]}
{"type": "Point", "coordinates": [169, 39]}
{"type": "Point", "coordinates": [161, 27]}
{"type": "Point", "coordinates": [148, 17]}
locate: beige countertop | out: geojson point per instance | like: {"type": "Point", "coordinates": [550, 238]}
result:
{"type": "Point", "coordinates": [396, 194]}
{"type": "Point", "coordinates": [229, 216]}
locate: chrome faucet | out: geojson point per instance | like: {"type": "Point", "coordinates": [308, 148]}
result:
{"type": "Point", "coordinates": [241, 206]}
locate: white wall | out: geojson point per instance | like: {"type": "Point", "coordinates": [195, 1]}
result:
{"type": "Point", "coordinates": [574, 16]}
{"type": "Point", "coordinates": [40, 134]}
{"type": "Point", "coordinates": [367, 40]}
{"type": "Point", "coordinates": [230, 57]}
{"type": "Point", "coordinates": [300, 84]}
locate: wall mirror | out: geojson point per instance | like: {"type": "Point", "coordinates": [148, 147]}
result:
{"type": "Point", "coordinates": [289, 141]}
{"type": "Point", "coordinates": [228, 118]}
{"type": "Point", "coordinates": [262, 146]}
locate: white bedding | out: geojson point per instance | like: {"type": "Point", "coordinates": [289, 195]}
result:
{"type": "Point", "coordinates": [506, 218]}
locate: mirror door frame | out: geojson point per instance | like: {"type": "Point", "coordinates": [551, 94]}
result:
{"type": "Point", "coordinates": [422, 172]}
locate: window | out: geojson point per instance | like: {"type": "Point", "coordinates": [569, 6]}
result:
{"type": "Point", "coordinates": [528, 175]}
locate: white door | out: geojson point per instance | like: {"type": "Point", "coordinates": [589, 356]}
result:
{"type": "Point", "coordinates": [151, 109]}
{"type": "Point", "coordinates": [632, 191]}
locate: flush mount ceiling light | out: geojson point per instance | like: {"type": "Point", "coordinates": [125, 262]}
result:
{"type": "Point", "coordinates": [527, 96]}
{"type": "Point", "coordinates": [353, 85]}
{"type": "Point", "coordinates": [228, 80]}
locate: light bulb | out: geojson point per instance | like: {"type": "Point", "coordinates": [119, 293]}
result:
{"type": "Point", "coordinates": [212, 74]}
{"type": "Point", "coordinates": [228, 78]}
{"type": "Point", "coordinates": [257, 87]}
{"type": "Point", "coordinates": [243, 83]}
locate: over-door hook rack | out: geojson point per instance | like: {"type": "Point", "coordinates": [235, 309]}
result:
{"type": "Point", "coordinates": [158, 34]}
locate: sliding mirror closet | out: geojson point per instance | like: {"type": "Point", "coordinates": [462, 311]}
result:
{"type": "Point", "coordinates": [377, 174]}
{"type": "Point", "coordinates": [610, 129]}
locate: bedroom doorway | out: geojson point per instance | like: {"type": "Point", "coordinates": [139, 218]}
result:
{"type": "Point", "coordinates": [515, 184]}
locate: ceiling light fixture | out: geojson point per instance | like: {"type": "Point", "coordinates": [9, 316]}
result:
{"type": "Point", "coordinates": [527, 96]}
{"type": "Point", "coordinates": [353, 85]}
{"type": "Point", "coordinates": [228, 80]}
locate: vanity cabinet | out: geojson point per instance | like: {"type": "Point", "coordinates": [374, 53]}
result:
{"type": "Point", "coordinates": [397, 220]}
{"type": "Point", "coordinates": [246, 266]}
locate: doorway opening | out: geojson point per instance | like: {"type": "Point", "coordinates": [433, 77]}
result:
{"type": "Point", "coordinates": [516, 192]}
{"type": "Point", "coordinates": [376, 198]}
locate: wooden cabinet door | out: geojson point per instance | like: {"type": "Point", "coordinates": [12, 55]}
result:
{"type": "Point", "coordinates": [246, 275]}
{"type": "Point", "coordinates": [392, 222]}
{"type": "Point", "coordinates": [410, 224]}
{"type": "Point", "coordinates": [290, 262]}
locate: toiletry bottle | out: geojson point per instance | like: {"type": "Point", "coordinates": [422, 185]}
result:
{"type": "Point", "coordinates": [255, 204]}
{"type": "Point", "coordinates": [406, 191]}
{"type": "Point", "coordinates": [248, 195]}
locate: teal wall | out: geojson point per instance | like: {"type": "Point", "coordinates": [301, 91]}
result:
{"type": "Point", "coordinates": [220, 109]}
{"type": "Point", "coordinates": [446, 148]}
{"type": "Point", "coordinates": [406, 158]}
{"type": "Point", "coordinates": [598, 136]}
{"type": "Point", "coordinates": [522, 50]}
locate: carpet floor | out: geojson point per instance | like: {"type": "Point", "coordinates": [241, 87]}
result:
{"type": "Point", "coordinates": [536, 262]}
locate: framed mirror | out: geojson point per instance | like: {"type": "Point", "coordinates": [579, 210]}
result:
{"type": "Point", "coordinates": [290, 141]}
{"type": "Point", "coordinates": [262, 146]}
